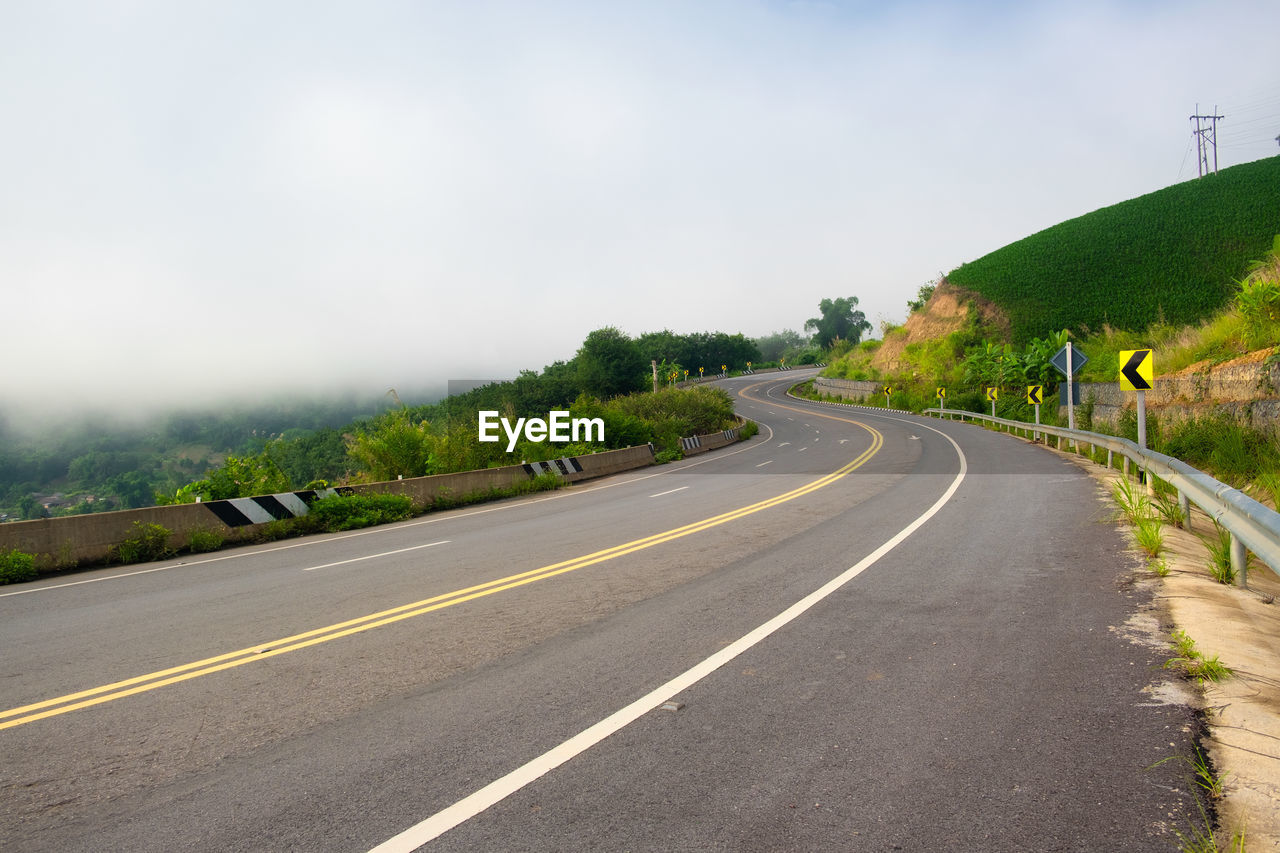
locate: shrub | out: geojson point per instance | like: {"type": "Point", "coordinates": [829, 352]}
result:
{"type": "Point", "coordinates": [276, 529]}
{"type": "Point", "coordinates": [204, 540]}
{"type": "Point", "coordinates": [148, 542]}
{"type": "Point", "coordinates": [349, 512]}
{"type": "Point", "coordinates": [16, 567]}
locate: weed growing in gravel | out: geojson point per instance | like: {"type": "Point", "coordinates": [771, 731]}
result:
{"type": "Point", "coordinates": [1166, 504]}
{"type": "Point", "coordinates": [1150, 539]}
{"type": "Point", "coordinates": [1133, 502]}
{"type": "Point", "coordinates": [1192, 661]}
{"type": "Point", "coordinates": [1202, 838]}
{"type": "Point", "coordinates": [1220, 556]}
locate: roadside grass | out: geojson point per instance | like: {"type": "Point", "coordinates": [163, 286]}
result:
{"type": "Point", "coordinates": [1219, 549]}
{"type": "Point", "coordinates": [1202, 837]}
{"type": "Point", "coordinates": [1192, 662]}
{"type": "Point", "coordinates": [1133, 503]}
{"type": "Point", "coordinates": [1148, 533]}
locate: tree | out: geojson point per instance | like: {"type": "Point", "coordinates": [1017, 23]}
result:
{"type": "Point", "coordinates": [840, 319]}
{"type": "Point", "coordinates": [133, 488]}
{"type": "Point", "coordinates": [610, 364]}
{"type": "Point", "coordinates": [773, 347]}
{"type": "Point", "coordinates": [394, 445]}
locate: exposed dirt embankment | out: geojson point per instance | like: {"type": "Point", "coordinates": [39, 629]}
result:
{"type": "Point", "coordinates": [947, 311]}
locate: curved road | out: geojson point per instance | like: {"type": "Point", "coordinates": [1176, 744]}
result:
{"type": "Point", "coordinates": [859, 630]}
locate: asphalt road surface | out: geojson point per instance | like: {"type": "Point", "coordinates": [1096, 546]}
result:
{"type": "Point", "coordinates": [857, 631]}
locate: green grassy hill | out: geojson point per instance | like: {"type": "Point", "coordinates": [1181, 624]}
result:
{"type": "Point", "coordinates": [1171, 255]}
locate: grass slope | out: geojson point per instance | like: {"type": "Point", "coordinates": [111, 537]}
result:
{"type": "Point", "coordinates": [1171, 255]}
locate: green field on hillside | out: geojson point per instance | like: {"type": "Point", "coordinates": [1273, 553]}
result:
{"type": "Point", "coordinates": [1172, 255]}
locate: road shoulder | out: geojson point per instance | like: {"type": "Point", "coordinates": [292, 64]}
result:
{"type": "Point", "coordinates": [1241, 627]}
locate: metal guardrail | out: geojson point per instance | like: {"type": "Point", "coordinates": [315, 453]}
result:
{"type": "Point", "coordinates": [1252, 525]}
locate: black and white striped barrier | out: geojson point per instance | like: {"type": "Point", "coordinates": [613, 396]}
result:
{"type": "Point", "coordinates": [239, 512]}
{"type": "Point", "coordinates": [731, 434]}
{"type": "Point", "coordinates": [690, 443]}
{"type": "Point", "coordinates": [564, 467]}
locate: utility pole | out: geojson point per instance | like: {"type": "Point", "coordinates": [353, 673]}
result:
{"type": "Point", "coordinates": [1206, 134]}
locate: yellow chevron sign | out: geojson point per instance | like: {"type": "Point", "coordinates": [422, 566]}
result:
{"type": "Point", "coordinates": [1136, 370]}
{"type": "Point", "coordinates": [942, 392]}
{"type": "Point", "coordinates": [993, 394]}
{"type": "Point", "coordinates": [1035, 394]}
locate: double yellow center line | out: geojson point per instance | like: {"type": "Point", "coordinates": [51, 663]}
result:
{"type": "Point", "coordinates": [163, 678]}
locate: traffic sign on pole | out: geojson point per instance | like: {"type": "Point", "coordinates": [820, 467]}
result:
{"type": "Point", "coordinates": [1035, 394]}
{"type": "Point", "coordinates": [1069, 358]}
{"type": "Point", "coordinates": [1136, 370]}
{"type": "Point", "coordinates": [1138, 374]}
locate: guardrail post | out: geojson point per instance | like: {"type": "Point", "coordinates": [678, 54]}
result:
{"type": "Point", "coordinates": [1109, 455]}
{"type": "Point", "coordinates": [1239, 561]}
{"type": "Point", "coordinates": [1184, 504]}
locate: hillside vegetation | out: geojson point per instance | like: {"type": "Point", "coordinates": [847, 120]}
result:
{"type": "Point", "coordinates": [1173, 255]}
{"type": "Point", "coordinates": [212, 455]}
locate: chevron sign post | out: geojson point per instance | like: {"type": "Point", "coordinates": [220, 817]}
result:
{"type": "Point", "coordinates": [1035, 396]}
{"type": "Point", "coordinates": [1137, 374]}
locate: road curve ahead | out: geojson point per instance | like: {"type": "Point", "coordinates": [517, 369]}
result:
{"type": "Point", "coordinates": [859, 630]}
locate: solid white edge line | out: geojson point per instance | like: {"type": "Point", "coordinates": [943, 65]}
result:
{"type": "Point", "coordinates": [472, 805]}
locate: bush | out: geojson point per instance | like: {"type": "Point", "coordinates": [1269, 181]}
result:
{"type": "Point", "coordinates": [203, 541]}
{"type": "Point", "coordinates": [148, 542]}
{"type": "Point", "coordinates": [16, 567]}
{"type": "Point", "coordinates": [350, 512]}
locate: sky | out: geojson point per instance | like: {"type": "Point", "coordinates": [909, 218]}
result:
{"type": "Point", "coordinates": [202, 201]}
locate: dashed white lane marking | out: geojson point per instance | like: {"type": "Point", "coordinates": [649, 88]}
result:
{"type": "Point", "coordinates": [669, 492]}
{"type": "Point", "coordinates": [498, 790]}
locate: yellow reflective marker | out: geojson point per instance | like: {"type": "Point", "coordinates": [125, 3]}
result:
{"type": "Point", "coordinates": [1137, 370]}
